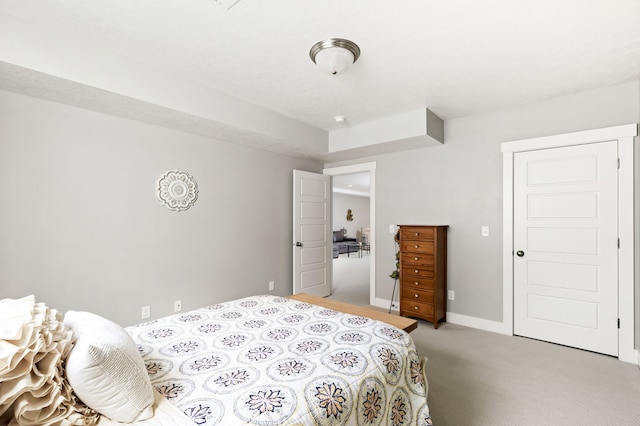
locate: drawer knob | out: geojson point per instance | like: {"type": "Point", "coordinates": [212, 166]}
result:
{"type": "Point", "coordinates": [417, 246]}
{"type": "Point", "coordinates": [416, 258]}
{"type": "Point", "coordinates": [417, 295]}
{"type": "Point", "coordinates": [416, 308]}
{"type": "Point", "coordinates": [416, 271]}
{"type": "Point", "coordinates": [417, 233]}
{"type": "Point", "coordinates": [417, 283]}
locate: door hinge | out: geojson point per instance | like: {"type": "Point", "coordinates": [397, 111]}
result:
{"type": "Point", "coordinates": [618, 242]}
{"type": "Point", "coordinates": [618, 322]}
{"type": "Point", "coordinates": [618, 163]}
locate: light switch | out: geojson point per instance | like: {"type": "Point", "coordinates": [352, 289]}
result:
{"type": "Point", "coordinates": [485, 231]}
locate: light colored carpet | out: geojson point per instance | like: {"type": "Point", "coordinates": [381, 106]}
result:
{"type": "Point", "coordinates": [481, 378]}
{"type": "Point", "coordinates": [351, 279]}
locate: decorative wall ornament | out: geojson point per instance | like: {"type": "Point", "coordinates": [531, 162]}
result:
{"type": "Point", "coordinates": [177, 190]}
{"type": "Point", "coordinates": [349, 215]}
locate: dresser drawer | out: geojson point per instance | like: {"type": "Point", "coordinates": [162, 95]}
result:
{"type": "Point", "coordinates": [418, 283]}
{"type": "Point", "coordinates": [412, 308]}
{"type": "Point", "coordinates": [424, 271]}
{"type": "Point", "coordinates": [416, 233]}
{"type": "Point", "coordinates": [417, 259]}
{"type": "Point", "coordinates": [416, 246]}
{"type": "Point", "coordinates": [410, 294]}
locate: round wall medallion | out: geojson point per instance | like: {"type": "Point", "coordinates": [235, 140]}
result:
{"type": "Point", "coordinates": [177, 190]}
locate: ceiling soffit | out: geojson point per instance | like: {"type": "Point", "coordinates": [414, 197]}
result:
{"type": "Point", "coordinates": [41, 63]}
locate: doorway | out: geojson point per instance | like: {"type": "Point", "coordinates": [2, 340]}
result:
{"type": "Point", "coordinates": [360, 257]}
{"type": "Point", "coordinates": [351, 229]}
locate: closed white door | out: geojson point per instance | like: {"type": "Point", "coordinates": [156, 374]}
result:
{"type": "Point", "coordinates": [566, 246]}
{"type": "Point", "coordinates": [312, 237]}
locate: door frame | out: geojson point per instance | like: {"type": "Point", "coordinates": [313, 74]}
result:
{"type": "Point", "coordinates": [624, 134]}
{"type": "Point", "coordinates": [359, 168]}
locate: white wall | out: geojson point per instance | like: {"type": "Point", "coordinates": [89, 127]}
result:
{"type": "Point", "coordinates": [460, 184]}
{"type": "Point", "coordinates": [359, 207]}
{"type": "Point", "coordinates": [81, 227]}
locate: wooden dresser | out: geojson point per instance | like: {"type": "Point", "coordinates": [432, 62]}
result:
{"type": "Point", "coordinates": [423, 272]}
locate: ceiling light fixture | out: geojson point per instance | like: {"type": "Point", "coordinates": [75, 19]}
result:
{"type": "Point", "coordinates": [334, 55]}
{"type": "Point", "coordinates": [339, 119]}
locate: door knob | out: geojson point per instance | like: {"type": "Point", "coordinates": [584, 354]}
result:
{"type": "Point", "coordinates": [298, 244]}
{"type": "Point", "coordinates": [520, 253]}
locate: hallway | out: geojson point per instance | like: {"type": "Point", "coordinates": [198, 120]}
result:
{"type": "Point", "coordinates": [351, 279]}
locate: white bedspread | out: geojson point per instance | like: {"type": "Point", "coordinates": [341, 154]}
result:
{"type": "Point", "coordinates": [274, 361]}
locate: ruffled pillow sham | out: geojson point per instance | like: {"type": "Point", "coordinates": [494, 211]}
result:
{"type": "Point", "coordinates": [34, 344]}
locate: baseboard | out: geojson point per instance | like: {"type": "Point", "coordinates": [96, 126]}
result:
{"type": "Point", "coordinates": [384, 303]}
{"type": "Point", "coordinates": [474, 322]}
{"type": "Point", "coordinates": [453, 318]}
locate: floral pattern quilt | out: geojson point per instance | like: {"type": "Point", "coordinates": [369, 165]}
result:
{"type": "Point", "coordinates": [269, 360]}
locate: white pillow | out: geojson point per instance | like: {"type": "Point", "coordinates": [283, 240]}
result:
{"type": "Point", "coordinates": [106, 370]}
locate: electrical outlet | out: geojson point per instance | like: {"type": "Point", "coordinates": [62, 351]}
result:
{"type": "Point", "coordinates": [177, 306]}
{"type": "Point", "coordinates": [272, 285]}
{"type": "Point", "coordinates": [451, 295]}
{"type": "Point", "coordinates": [485, 231]}
{"type": "Point", "coordinates": [392, 229]}
{"type": "Point", "coordinates": [146, 312]}
{"type": "Point", "coordinates": [394, 305]}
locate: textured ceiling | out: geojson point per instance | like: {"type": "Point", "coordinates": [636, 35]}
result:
{"type": "Point", "coordinates": [454, 57]}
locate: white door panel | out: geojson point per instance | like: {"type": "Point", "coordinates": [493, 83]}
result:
{"type": "Point", "coordinates": [312, 280]}
{"type": "Point", "coordinates": [562, 241]}
{"type": "Point", "coordinates": [558, 171]}
{"type": "Point", "coordinates": [312, 256]}
{"type": "Point", "coordinates": [312, 185]}
{"type": "Point", "coordinates": [565, 311]}
{"type": "Point", "coordinates": [565, 239]}
{"type": "Point", "coordinates": [563, 275]}
{"type": "Point", "coordinates": [313, 210]}
{"type": "Point", "coordinates": [562, 206]}
{"type": "Point", "coordinates": [311, 233]}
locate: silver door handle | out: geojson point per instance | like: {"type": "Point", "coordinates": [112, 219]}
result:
{"type": "Point", "coordinates": [520, 253]}
{"type": "Point", "coordinates": [298, 244]}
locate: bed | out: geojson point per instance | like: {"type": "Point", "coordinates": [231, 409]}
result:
{"type": "Point", "coordinates": [262, 360]}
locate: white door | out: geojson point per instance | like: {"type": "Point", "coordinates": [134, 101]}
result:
{"type": "Point", "coordinates": [312, 237]}
{"type": "Point", "coordinates": [566, 246]}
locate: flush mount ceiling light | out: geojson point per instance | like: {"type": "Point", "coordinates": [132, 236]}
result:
{"type": "Point", "coordinates": [334, 55]}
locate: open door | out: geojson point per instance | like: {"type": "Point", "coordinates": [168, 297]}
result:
{"type": "Point", "coordinates": [312, 241]}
